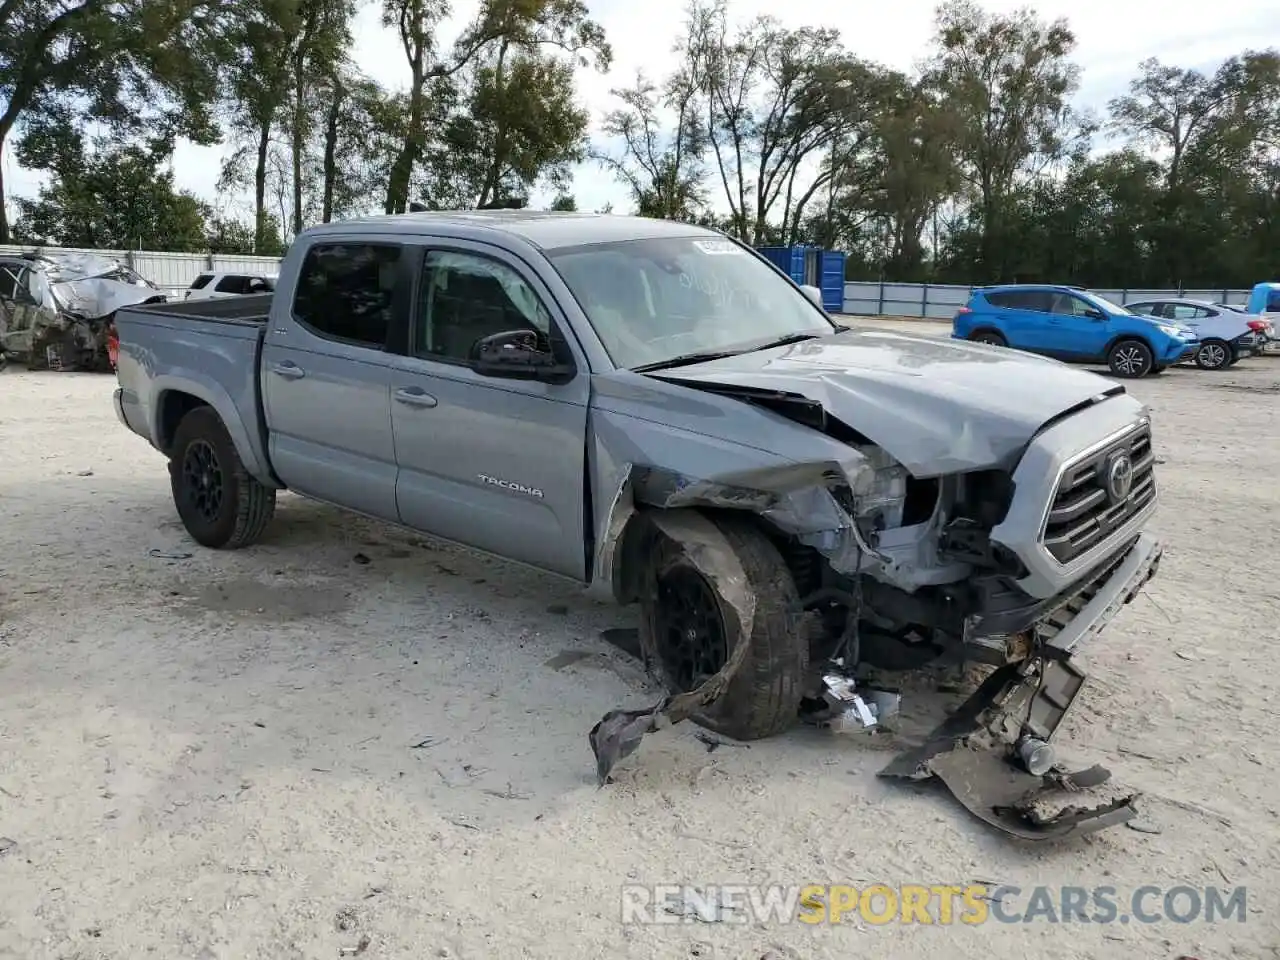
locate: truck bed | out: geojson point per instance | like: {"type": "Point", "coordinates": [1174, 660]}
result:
{"type": "Point", "coordinates": [251, 309]}
{"type": "Point", "coordinates": [173, 355]}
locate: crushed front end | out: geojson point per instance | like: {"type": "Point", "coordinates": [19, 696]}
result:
{"type": "Point", "coordinates": [1009, 554]}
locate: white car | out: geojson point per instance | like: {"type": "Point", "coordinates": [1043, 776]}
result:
{"type": "Point", "coordinates": [209, 285]}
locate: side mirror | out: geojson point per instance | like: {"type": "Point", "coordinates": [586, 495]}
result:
{"type": "Point", "coordinates": [519, 355]}
{"type": "Point", "coordinates": [814, 294]}
{"type": "Point", "coordinates": [1093, 314]}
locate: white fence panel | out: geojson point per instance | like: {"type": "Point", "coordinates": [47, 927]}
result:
{"type": "Point", "coordinates": [940, 301]}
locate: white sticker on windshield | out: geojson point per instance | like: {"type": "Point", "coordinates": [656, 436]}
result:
{"type": "Point", "coordinates": [717, 246]}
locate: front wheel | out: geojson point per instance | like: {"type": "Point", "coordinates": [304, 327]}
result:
{"type": "Point", "coordinates": [689, 623]}
{"type": "Point", "coordinates": [1158, 370]}
{"type": "Point", "coordinates": [1213, 355]}
{"type": "Point", "coordinates": [220, 503]}
{"type": "Point", "coordinates": [989, 337]}
{"type": "Point", "coordinates": [1130, 359]}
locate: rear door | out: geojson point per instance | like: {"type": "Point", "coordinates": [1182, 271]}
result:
{"type": "Point", "coordinates": [1024, 317]}
{"type": "Point", "coordinates": [326, 373]}
{"type": "Point", "coordinates": [495, 464]}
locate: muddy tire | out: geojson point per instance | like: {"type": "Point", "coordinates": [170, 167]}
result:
{"type": "Point", "coordinates": [764, 696]}
{"type": "Point", "coordinates": [220, 504]}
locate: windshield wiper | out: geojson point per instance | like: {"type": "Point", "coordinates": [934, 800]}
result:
{"type": "Point", "coordinates": [684, 360]}
{"type": "Point", "coordinates": [784, 341]}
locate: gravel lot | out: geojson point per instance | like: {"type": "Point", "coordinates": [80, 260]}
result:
{"type": "Point", "coordinates": [352, 739]}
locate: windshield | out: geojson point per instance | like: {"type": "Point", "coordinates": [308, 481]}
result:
{"type": "Point", "coordinates": [651, 301]}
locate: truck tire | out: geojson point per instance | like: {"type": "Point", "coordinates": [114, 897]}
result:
{"type": "Point", "coordinates": [1130, 359]}
{"type": "Point", "coordinates": [763, 698]}
{"type": "Point", "coordinates": [220, 504]}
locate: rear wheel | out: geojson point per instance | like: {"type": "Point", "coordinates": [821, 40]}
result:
{"type": "Point", "coordinates": [1158, 369]}
{"type": "Point", "coordinates": [990, 337]}
{"type": "Point", "coordinates": [693, 629]}
{"type": "Point", "coordinates": [220, 503]}
{"type": "Point", "coordinates": [1130, 359]}
{"type": "Point", "coordinates": [1214, 355]}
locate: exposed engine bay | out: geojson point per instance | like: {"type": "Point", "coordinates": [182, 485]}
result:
{"type": "Point", "coordinates": [894, 571]}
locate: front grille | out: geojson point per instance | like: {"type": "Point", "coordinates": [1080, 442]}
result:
{"type": "Point", "coordinates": [1084, 511]}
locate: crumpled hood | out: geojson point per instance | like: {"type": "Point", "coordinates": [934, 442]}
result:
{"type": "Point", "coordinates": [937, 406]}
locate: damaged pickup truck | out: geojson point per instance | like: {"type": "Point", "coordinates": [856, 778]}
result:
{"type": "Point", "coordinates": [57, 308]}
{"type": "Point", "coordinates": [653, 409]}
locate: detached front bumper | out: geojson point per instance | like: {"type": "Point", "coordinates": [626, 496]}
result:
{"type": "Point", "coordinates": [1087, 613]}
{"type": "Point", "coordinates": [980, 751]}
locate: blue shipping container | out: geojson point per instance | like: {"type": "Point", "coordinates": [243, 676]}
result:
{"type": "Point", "coordinates": [812, 266]}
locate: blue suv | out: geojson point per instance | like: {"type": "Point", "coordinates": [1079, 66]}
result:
{"type": "Point", "coordinates": [1073, 325]}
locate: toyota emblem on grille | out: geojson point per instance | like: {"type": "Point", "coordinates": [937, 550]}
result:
{"type": "Point", "coordinates": [1119, 477]}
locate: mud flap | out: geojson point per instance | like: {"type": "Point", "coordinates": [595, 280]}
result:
{"type": "Point", "coordinates": [970, 754]}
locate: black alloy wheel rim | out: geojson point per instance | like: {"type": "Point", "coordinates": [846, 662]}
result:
{"type": "Point", "coordinates": [202, 477]}
{"type": "Point", "coordinates": [690, 628]}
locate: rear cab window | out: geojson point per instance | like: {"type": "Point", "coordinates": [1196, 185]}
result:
{"type": "Point", "coordinates": [346, 292]}
{"type": "Point", "coordinates": [202, 281]}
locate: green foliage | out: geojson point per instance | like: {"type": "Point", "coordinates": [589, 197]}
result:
{"type": "Point", "coordinates": [143, 67]}
{"type": "Point", "coordinates": [974, 168]}
{"type": "Point", "coordinates": [114, 198]}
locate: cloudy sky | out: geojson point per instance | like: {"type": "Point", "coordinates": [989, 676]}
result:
{"type": "Point", "coordinates": [1113, 36]}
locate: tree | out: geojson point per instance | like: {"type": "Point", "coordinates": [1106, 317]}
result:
{"type": "Point", "coordinates": [234, 237]}
{"type": "Point", "coordinates": [111, 197]}
{"type": "Point", "coordinates": [520, 26]}
{"type": "Point", "coordinates": [663, 172]}
{"type": "Point", "coordinates": [1008, 80]}
{"type": "Point", "coordinates": [258, 92]}
{"type": "Point", "coordinates": [516, 123]}
{"type": "Point", "coordinates": [142, 66]}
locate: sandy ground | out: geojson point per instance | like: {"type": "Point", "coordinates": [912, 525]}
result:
{"type": "Point", "coordinates": [288, 752]}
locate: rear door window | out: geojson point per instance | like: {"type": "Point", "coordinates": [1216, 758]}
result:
{"type": "Point", "coordinates": [1019, 300]}
{"type": "Point", "coordinates": [346, 291]}
{"type": "Point", "coordinates": [202, 281]}
{"type": "Point", "coordinates": [233, 283]}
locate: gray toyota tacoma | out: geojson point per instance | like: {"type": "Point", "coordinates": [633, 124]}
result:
{"type": "Point", "coordinates": [654, 410]}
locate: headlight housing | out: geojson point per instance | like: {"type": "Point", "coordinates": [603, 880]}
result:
{"type": "Point", "coordinates": [880, 496]}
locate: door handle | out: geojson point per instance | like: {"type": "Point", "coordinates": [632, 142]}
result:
{"type": "Point", "coordinates": [288, 370]}
{"type": "Point", "coordinates": [414, 397]}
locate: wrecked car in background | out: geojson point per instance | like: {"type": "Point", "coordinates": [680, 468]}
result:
{"type": "Point", "coordinates": [654, 409]}
{"type": "Point", "coordinates": [57, 309]}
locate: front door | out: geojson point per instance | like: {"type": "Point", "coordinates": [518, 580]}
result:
{"type": "Point", "coordinates": [492, 463]}
{"type": "Point", "coordinates": [1079, 328]}
{"type": "Point", "coordinates": [326, 375]}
